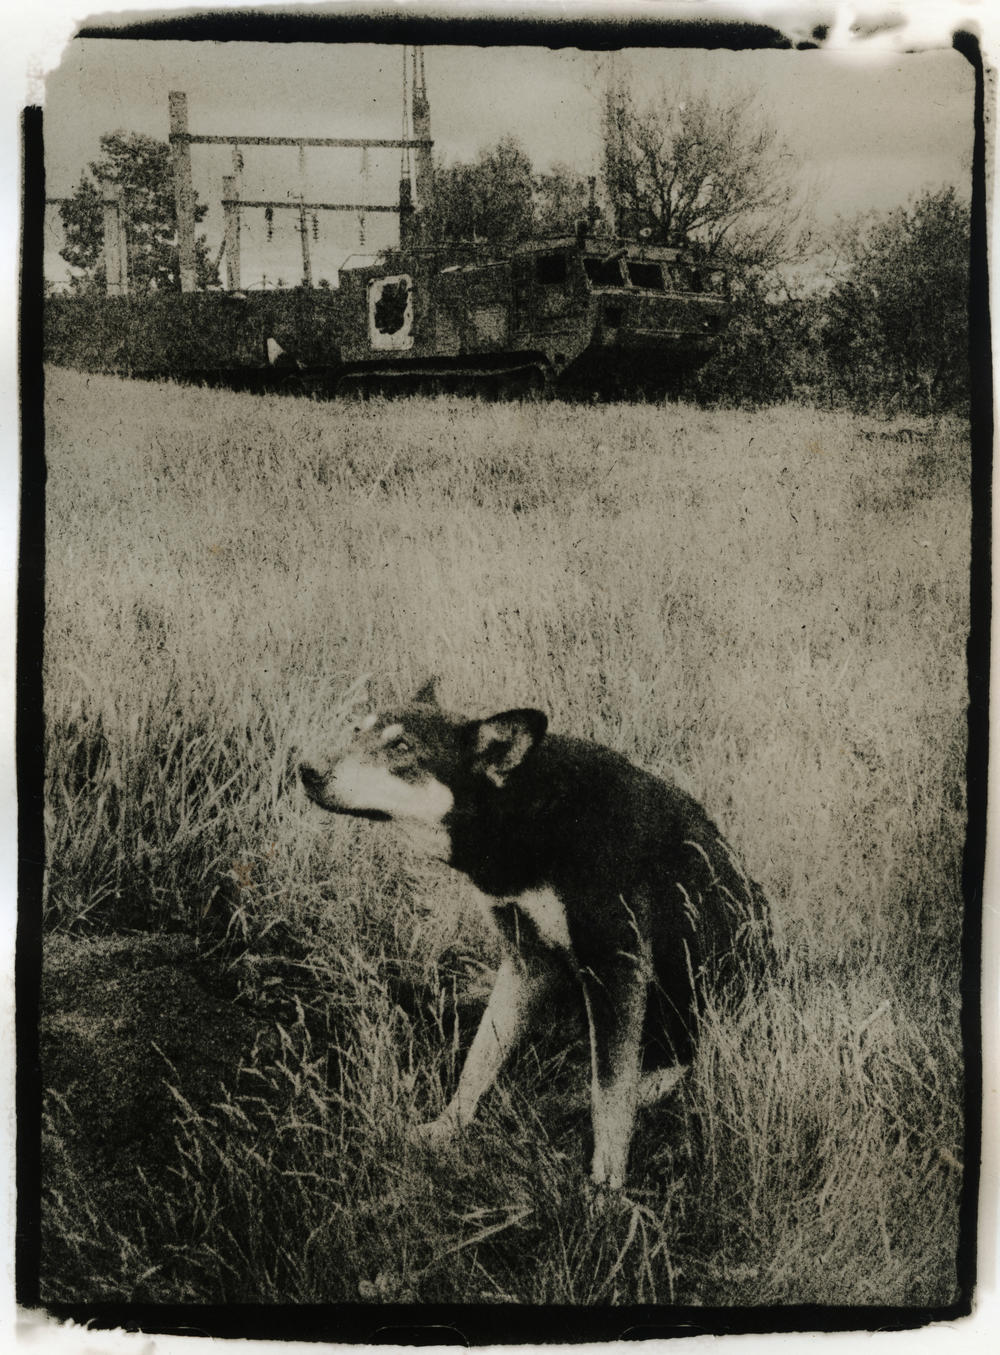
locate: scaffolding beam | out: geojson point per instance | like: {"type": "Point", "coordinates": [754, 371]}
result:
{"type": "Point", "coordinates": [293, 205]}
{"type": "Point", "coordinates": [183, 136]}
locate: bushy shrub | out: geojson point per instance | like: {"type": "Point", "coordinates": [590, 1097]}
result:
{"type": "Point", "coordinates": [895, 324]}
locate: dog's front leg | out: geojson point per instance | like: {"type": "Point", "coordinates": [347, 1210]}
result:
{"type": "Point", "coordinates": [515, 993]}
{"type": "Point", "coordinates": [615, 1000]}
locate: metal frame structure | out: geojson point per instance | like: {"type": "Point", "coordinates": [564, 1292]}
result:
{"type": "Point", "coordinates": [182, 139]}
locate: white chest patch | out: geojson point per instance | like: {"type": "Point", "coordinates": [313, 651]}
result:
{"type": "Point", "coordinates": [426, 839]}
{"type": "Point", "coordinates": [545, 908]}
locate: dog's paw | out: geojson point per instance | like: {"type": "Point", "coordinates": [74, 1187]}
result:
{"type": "Point", "coordinates": [435, 1134]}
{"type": "Point", "coordinates": [607, 1175]}
{"type": "Point", "coordinates": [604, 1201]}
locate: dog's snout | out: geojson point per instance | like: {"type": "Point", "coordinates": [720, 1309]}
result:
{"type": "Point", "coordinates": [311, 778]}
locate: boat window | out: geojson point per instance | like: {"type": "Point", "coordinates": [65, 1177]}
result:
{"type": "Point", "coordinates": [648, 275]}
{"type": "Point", "coordinates": [550, 268]}
{"type": "Point", "coordinates": [603, 272]}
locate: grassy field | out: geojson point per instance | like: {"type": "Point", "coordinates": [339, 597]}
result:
{"type": "Point", "coordinates": [771, 607]}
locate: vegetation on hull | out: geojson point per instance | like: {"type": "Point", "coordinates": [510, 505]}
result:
{"type": "Point", "coordinates": [579, 313]}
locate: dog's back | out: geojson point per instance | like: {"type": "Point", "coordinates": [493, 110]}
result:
{"type": "Point", "coordinates": [621, 849]}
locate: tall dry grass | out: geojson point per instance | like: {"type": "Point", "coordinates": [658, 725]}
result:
{"type": "Point", "coordinates": [771, 607]}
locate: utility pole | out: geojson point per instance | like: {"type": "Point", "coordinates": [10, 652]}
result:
{"type": "Point", "coordinates": [231, 231]}
{"type": "Point", "coordinates": [307, 272]}
{"type": "Point", "coordinates": [115, 244]}
{"type": "Point", "coordinates": [180, 151]}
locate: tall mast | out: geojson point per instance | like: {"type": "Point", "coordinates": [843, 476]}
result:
{"type": "Point", "coordinates": [416, 168]}
{"type": "Point", "coordinates": [421, 113]}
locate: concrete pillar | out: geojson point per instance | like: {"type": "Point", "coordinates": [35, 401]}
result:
{"type": "Point", "coordinates": [180, 151]}
{"type": "Point", "coordinates": [115, 245]}
{"type": "Point", "coordinates": [231, 212]}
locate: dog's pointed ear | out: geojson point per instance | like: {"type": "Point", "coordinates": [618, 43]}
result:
{"type": "Point", "coordinates": [502, 742]}
{"type": "Point", "coordinates": [427, 696]}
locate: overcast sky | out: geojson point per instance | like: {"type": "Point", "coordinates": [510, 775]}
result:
{"type": "Point", "coordinates": [871, 129]}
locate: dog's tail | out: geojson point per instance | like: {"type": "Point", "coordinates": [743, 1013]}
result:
{"type": "Point", "coordinates": [736, 924]}
{"type": "Point", "coordinates": [711, 932]}
{"type": "Point", "coordinates": [727, 916]}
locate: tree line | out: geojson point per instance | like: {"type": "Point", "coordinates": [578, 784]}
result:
{"type": "Point", "coordinates": [880, 321]}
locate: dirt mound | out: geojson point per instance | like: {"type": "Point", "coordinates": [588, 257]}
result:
{"type": "Point", "coordinates": [122, 1020]}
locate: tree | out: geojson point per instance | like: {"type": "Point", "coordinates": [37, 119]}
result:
{"type": "Point", "coordinates": [561, 199]}
{"type": "Point", "coordinates": [488, 199]}
{"type": "Point", "coordinates": [896, 326]}
{"type": "Point", "coordinates": [140, 166]}
{"type": "Point", "coordinates": [498, 198]}
{"type": "Point", "coordinates": [697, 171]}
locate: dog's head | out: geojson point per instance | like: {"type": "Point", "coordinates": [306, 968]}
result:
{"type": "Point", "coordinates": [413, 761]}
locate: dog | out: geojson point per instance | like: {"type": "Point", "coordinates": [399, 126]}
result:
{"type": "Point", "coordinates": [588, 866]}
